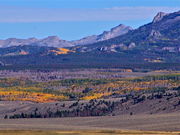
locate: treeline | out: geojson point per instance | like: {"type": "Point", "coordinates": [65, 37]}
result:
{"type": "Point", "coordinates": [92, 108]}
{"type": "Point", "coordinates": [98, 107]}
{"type": "Point", "coordinates": [79, 61]}
{"type": "Point", "coordinates": [175, 77]}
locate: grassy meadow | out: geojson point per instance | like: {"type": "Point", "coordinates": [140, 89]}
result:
{"type": "Point", "coordinates": [105, 132]}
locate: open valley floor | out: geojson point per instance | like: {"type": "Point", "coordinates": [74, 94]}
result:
{"type": "Point", "coordinates": [123, 124]}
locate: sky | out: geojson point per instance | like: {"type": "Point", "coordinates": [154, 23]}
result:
{"type": "Point", "coordinates": [74, 19]}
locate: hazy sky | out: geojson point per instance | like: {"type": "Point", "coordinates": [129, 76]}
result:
{"type": "Point", "coordinates": [73, 19]}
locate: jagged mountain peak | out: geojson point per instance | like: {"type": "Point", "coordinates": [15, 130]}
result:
{"type": "Point", "coordinates": [114, 32]}
{"type": "Point", "coordinates": [159, 17]}
{"type": "Point", "coordinates": [121, 26]}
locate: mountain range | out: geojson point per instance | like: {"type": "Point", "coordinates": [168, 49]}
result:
{"type": "Point", "coordinates": [54, 41]}
{"type": "Point", "coordinates": [154, 44]}
{"type": "Point", "coordinates": [163, 33]}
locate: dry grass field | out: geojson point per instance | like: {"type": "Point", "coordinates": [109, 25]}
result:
{"type": "Point", "coordinates": [160, 124]}
{"type": "Point", "coordinates": [100, 132]}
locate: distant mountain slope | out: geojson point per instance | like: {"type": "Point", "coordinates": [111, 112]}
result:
{"type": "Point", "coordinates": [155, 45]}
{"type": "Point", "coordinates": [158, 41]}
{"type": "Point", "coordinates": [163, 33]}
{"type": "Point", "coordinates": [54, 41]}
{"type": "Point", "coordinates": [114, 32]}
{"type": "Point", "coordinates": [15, 42]}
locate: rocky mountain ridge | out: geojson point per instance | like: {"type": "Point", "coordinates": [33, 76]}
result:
{"type": "Point", "coordinates": [156, 45]}
{"type": "Point", "coordinates": [159, 35]}
{"type": "Point", "coordinates": [55, 41]}
{"type": "Point", "coordinates": [114, 32]}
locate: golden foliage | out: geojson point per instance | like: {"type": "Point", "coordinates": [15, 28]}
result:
{"type": "Point", "coordinates": [95, 96]}
{"type": "Point", "coordinates": [61, 51]}
{"type": "Point", "coordinates": [29, 96]}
